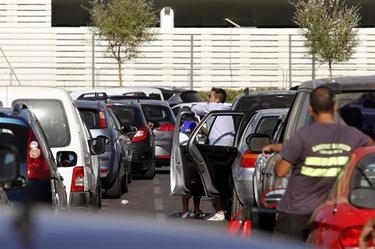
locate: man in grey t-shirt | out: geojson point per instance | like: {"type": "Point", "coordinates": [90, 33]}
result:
{"type": "Point", "coordinates": [316, 154]}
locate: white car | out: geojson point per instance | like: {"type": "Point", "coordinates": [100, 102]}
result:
{"type": "Point", "coordinates": [65, 132]}
{"type": "Point", "coordinates": [152, 93]}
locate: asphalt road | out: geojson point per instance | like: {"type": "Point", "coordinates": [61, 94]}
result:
{"type": "Point", "coordinates": [151, 199]}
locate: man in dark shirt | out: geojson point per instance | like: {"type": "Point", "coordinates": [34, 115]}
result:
{"type": "Point", "coordinates": [316, 154]}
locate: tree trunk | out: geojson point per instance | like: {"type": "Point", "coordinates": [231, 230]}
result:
{"type": "Point", "coordinates": [330, 69]}
{"type": "Point", "coordinates": [119, 72]}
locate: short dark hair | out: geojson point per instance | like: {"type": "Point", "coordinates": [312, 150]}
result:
{"type": "Point", "coordinates": [322, 99]}
{"type": "Point", "coordinates": [220, 94]}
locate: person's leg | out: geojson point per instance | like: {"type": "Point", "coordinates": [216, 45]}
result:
{"type": "Point", "coordinates": [185, 203]}
{"type": "Point", "coordinates": [197, 200]}
{"type": "Point", "coordinates": [219, 215]}
{"type": "Point", "coordinates": [292, 226]}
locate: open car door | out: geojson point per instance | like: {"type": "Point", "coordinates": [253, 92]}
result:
{"type": "Point", "coordinates": [184, 177]}
{"type": "Point", "coordinates": [213, 148]}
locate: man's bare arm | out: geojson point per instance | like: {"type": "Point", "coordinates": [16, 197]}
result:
{"type": "Point", "coordinates": [272, 148]}
{"type": "Point", "coordinates": [282, 168]}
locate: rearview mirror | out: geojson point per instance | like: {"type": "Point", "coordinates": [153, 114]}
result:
{"type": "Point", "coordinates": [363, 197]}
{"type": "Point", "coordinates": [97, 145]}
{"type": "Point", "coordinates": [66, 158]}
{"type": "Point", "coordinates": [256, 142]}
{"type": "Point", "coordinates": [8, 163]}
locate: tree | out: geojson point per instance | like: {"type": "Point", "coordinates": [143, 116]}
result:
{"type": "Point", "coordinates": [329, 29]}
{"type": "Point", "coordinates": [124, 25]}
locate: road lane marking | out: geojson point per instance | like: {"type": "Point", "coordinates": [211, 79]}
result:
{"type": "Point", "coordinates": [158, 204]}
{"type": "Point", "coordinates": [156, 181]}
{"type": "Point", "coordinates": [161, 218]}
{"type": "Point", "coordinates": [157, 190]}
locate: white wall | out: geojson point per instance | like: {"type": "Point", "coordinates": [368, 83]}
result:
{"type": "Point", "coordinates": [228, 57]}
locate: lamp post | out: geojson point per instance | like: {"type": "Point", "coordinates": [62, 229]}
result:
{"type": "Point", "coordinates": [232, 24]}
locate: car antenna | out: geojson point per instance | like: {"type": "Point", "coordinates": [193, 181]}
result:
{"type": "Point", "coordinates": [10, 66]}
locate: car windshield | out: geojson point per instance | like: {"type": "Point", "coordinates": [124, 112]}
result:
{"type": "Point", "coordinates": [355, 109]}
{"type": "Point", "coordinates": [129, 115]}
{"type": "Point", "coordinates": [158, 113]}
{"type": "Point", "coordinates": [90, 117]}
{"type": "Point", "coordinates": [51, 115]}
{"type": "Point", "coordinates": [363, 183]}
{"type": "Point", "coordinates": [255, 103]}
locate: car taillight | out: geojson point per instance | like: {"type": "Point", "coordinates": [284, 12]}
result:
{"type": "Point", "coordinates": [140, 135]}
{"type": "Point", "coordinates": [37, 165]}
{"type": "Point", "coordinates": [78, 181]}
{"type": "Point", "coordinates": [166, 127]}
{"type": "Point", "coordinates": [248, 159]}
{"type": "Point", "coordinates": [102, 120]}
{"type": "Point", "coordinates": [349, 238]}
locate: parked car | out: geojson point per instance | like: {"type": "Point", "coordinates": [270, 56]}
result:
{"type": "Point", "coordinates": [143, 143]}
{"type": "Point", "coordinates": [115, 162]}
{"type": "Point", "coordinates": [37, 179]}
{"type": "Point", "coordinates": [263, 122]}
{"type": "Point", "coordinates": [354, 96]}
{"type": "Point", "coordinates": [160, 116]}
{"type": "Point", "coordinates": [176, 95]}
{"type": "Point", "coordinates": [351, 204]}
{"type": "Point", "coordinates": [150, 92]}
{"type": "Point", "coordinates": [65, 131]}
{"type": "Point", "coordinates": [253, 101]}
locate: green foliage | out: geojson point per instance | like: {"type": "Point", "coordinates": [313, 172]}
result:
{"type": "Point", "coordinates": [329, 28]}
{"type": "Point", "coordinates": [124, 24]}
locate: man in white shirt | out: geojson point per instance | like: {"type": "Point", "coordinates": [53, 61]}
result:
{"type": "Point", "coordinates": [221, 132]}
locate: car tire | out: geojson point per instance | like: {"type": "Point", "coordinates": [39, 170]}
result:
{"type": "Point", "coordinates": [124, 183]}
{"type": "Point", "coordinates": [115, 190]}
{"type": "Point", "coordinates": [151, 172]}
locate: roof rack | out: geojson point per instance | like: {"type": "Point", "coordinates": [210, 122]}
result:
{"type": "Point", "coordinates": [93, 96]}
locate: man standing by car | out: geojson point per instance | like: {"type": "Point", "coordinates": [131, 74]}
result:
{"type": "Point", "coordinates": [221, 133]}
{"type": "Point", "coordinates": [316, 155]}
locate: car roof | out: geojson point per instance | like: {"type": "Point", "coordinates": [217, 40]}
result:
{"type": "Point", "coordinates": [116, 91]}
{"type": "Point", "coordinates": [265, 93]}
{"type": "Point", "coordinates": [273, 111]}
{"type": "Point", "coordinates": [89, 104]}
{"type": "Point", "coordinates": [145, 101]}
{"type": "Point", "coordinates": [343, 83]}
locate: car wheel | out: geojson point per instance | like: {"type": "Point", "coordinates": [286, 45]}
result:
{"type": "Point", "coordinates": [150, 173]}
{"type": "Point", "coordinates": [115, 190]}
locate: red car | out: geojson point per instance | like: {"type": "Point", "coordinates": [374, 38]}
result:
{"type": "Point", "coordinates": [339, 221]}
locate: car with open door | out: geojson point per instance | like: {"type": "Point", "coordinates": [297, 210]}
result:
{"type": "Point", "coordinates": [38, 180]}
{"type": "Point", "coordinates": [210, 161]}
{"type": "Point", "coordinates": [351, 204]}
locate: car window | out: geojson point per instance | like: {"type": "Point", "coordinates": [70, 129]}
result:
{"type": "Point", "coordinates": [116, 121]}
{"type": "Point", "coordinates": [157, 113]}
{"type": "Point", "coordinates": [175, 111]}
{"type": "Point", "coordinates": [52, 117]}
{"type": "Point", "coordinates": [129, 115]}
{"type": "Point", "coordinates": [254, 103]}
{"type": "Point", "coordinates": [90, 117]}
{"type": "Point", "coordinates": [267, 125]}
{"type": "Point", "coordinates": [16, 135]}
{"type": "Point", "coordinates": [363, 180]}
{"type": "Point", "coordinates": [356, 109]}
{"type": "Point", "coordinates": [190, 96]}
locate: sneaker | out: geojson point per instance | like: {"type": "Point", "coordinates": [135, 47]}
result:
{"type": "Point", "coordinates": [196, 215]}
{"type": "Point", "coordinates": [219, 216]}
{"type": "Point", "coordinates": [186, 215]}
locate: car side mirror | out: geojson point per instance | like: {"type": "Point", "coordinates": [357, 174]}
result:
{"type": "Point", "coordinates": [97, 145]}
{"type": "Point", "coordinates": [256, 142]}
{"type": "Point", "coordinates": [66, 158]}
{"type": "Point", "coordinates": [8, 163]}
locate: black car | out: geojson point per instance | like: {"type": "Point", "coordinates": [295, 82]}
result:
{"type": "Point", "coordinates": [143, 142]}
{"type": "Point", "coordinates": [253, 101]}
{"type": "Point", "coordinates": [38, 178]}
